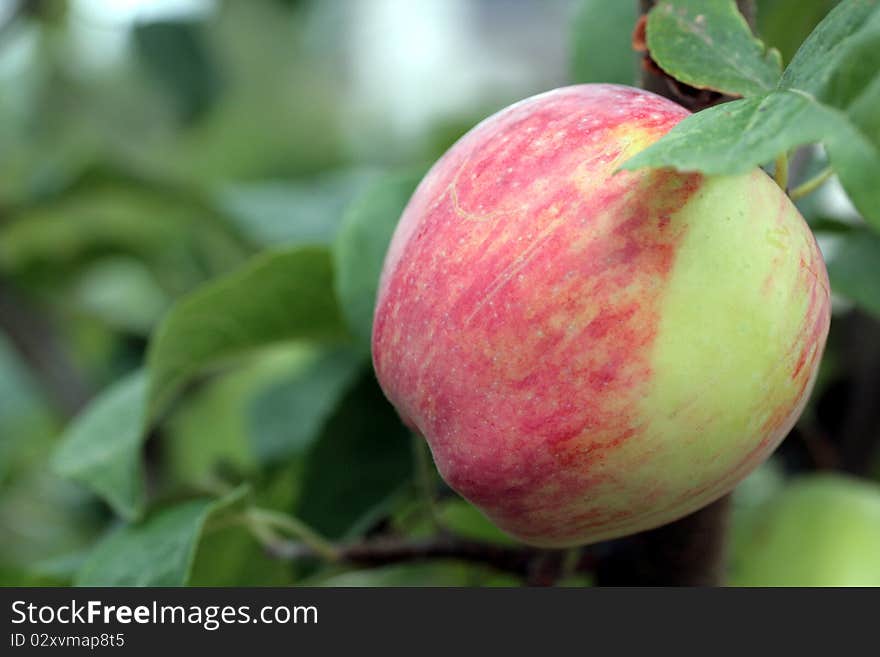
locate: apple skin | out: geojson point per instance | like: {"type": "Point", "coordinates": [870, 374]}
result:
{"type": "Point", "coordinates": [822, 530]}
{"type": "Point", "coordinates": [592, 353]}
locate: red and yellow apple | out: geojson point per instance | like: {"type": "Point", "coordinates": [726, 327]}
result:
{"type": "Point", "coordinates": [592, 352]}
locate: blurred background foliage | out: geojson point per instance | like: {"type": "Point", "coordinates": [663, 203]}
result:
{"type": "Point", "coordinates": [173, 155]}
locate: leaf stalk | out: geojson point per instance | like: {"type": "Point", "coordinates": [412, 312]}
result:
{"type": "Point", "coordinates": [811, 185]}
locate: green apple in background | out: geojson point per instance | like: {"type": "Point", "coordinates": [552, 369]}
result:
{"type": "Point", "coordinates": [821, 530]}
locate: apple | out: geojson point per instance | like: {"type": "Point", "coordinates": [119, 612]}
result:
{"type": "Point", "coordinates": [592, 352]}
{"type": "Point", "coordinates": [822, 530]}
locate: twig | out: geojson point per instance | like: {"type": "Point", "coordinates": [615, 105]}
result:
{"type": "Point", "coordinates": [264, 522]}
{"type": "Point", "coordinates": [519, 560]}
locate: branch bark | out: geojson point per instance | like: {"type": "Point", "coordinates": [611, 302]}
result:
{"type": "Point", "coordinates": [687, 552]}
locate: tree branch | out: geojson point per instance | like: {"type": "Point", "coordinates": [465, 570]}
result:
{"type": "Point", "coordinates": [687, 552]}
{"type": "Point", "coordinates": [539, 567]}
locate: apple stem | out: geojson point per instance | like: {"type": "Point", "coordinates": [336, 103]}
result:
{"type": "Point", "coordinates": [811, 185]}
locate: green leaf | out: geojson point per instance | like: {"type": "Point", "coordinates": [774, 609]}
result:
{"type": "Point", "coordinates": [735, 137]}
{"type": "Point", "coordinates": [709, 45]}
{"type": "Point", "coordinates": [176, 54]}
{"type": "Point", "coordinates": [856, 160]}
{"type": "Point", "coordinates": [101, 448]}
{"type": "Point", "coordinates": [360, 247]}
{"type": "Point", "coordinates": [21, 400]}
{"type": "Point", "coordinates": [286, 418]}
{"type": "Point", "coordinates": [361, 460]}
{"type": "Point", "coordinates": [121, 291]}
{"type": "Point", "coordinates": [601, 42]}
{"type": "Point", "coordinates": [840, 57]}
{"type": "Point", "coordinates": [178, 238]}
{"type": "Point", "coordinates": [828, 94]}
{"type": "Point", "coordinates": [277, 297]}
{"type": "Point", "coordinates": [159, 551]}
{"type": "Point", "coordinates": [838, 66]}
{"type": "Point", "coordinates": [854, 268]}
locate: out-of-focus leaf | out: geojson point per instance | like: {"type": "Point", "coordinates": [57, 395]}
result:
{"type": "Point", "coordinates": [123, 292]}
{"type": "Point", "coordinates": [277, 297]}
{"type": "Point", "coordinates": [176, 54]}
{"type": "Point", "coordinates": [18, 390]}
{"type": "Point", "coordinates": [101, 448]}
{"type": "Point", "coordinates": [828, 94]}
{"type": "Point", "coordinates": [361, 459]}
{"type": "Point", "coordinates": [64, 231]}
{"type": "Point", "coordinates": [288, 416]}
{"type": "Point", "coordinates": [159, 551]}
{"type": "Point", "coordinates": [23, 412]}
{"type": "Point", "coordinates": [181, 241]}
{"type": "Point", "coordinates": [709, 45]}
{"type": "Point", "coordinates": [601, 42]}
{"type": "Point", "coordinates": [359, 251]}
{"type": "Point", "coordinates": [854, 268]}
{"type": "Point", "coordinates": [43, 516]}
{"type": "Point", "coordinates": [280, 114]}
{"type": "Point", "coordinates": [281, 212]}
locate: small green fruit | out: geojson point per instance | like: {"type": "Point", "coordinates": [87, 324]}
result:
{"type": "Point", "coordinates": [823, 530]}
